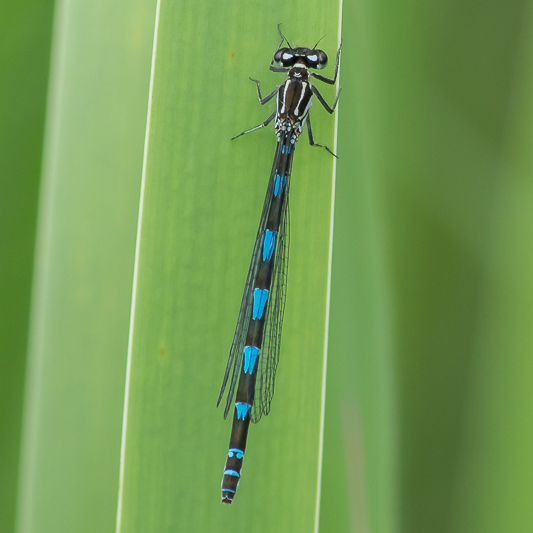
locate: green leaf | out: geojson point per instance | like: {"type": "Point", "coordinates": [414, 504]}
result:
{"type": "Point", "coordinates": [201, 206]}
{"type": "Point", "coordinates": [25, 29]}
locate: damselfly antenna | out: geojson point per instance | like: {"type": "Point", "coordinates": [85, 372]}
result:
{"type": "Point", "coordinates": [314, 47]}
{"type": "Point", "coordinates": [283, 38]}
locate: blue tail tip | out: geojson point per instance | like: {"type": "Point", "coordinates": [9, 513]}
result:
{"type": "Point", "coordinates": [227, 497]}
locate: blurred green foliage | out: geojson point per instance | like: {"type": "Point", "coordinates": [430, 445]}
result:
{"type": "Point", "coordinates": [88, 205]}
{"type": "Point", "coordinates": [431, 338]}
{"type": "Point", "coordinates": [25, 34]}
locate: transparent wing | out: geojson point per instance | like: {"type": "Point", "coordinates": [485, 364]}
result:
{"type": "Point", "coordinates": [237, 347]}
{"type": "Point", "coordinates": [269, 357]}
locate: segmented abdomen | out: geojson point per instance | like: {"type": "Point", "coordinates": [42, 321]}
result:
{"type": "Point", "coordinates": [258, 315]}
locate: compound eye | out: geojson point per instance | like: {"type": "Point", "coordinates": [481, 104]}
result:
{"type": "Point", "coordinates": [322, 59]}
{"type": "Point", "coordinates": [312, 60]}
{"type": "Point", "coordinates": [284, 57]}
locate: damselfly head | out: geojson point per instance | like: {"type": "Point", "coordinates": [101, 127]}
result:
{"type": "Point", "coordinates": [288, 57]}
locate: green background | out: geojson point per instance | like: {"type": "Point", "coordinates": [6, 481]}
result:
{"type": "Point", "coordinates": [429, 364]}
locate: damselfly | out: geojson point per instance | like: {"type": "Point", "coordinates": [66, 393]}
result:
{"type": "Point", "coordinates": [254, 353]}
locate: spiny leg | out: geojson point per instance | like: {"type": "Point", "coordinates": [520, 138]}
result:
{"type": "Point", "coordinates": [312, 142]}
{"type": "Point", "coordinates": [323, 102]}
{"type": "Point", "coordinates": [265, 123]}
{"type": "Point", "coordinates": [283, 38]}
{"type": "Point", "coordinates": [272, 67]}
{"type": "Point", "coordinates": [331, 81]}
{"type": "Point", "coordinates": [266, 99]}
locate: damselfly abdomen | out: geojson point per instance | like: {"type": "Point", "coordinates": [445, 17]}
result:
{"type": "Point", "coordinates": [254, 353]}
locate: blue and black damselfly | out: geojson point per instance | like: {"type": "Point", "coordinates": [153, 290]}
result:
{"type": "Point", "coordinates": [254, 353]}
